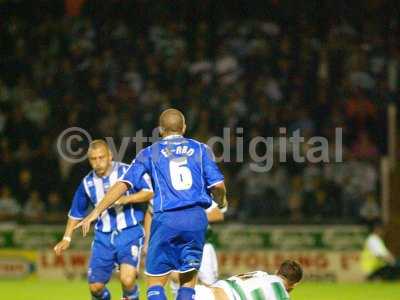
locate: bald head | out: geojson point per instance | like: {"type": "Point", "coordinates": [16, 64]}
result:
{"type": "Point", "coordinates": [172, 121]}
{"type": "Point", "coordinates": [100, 157]}
{"type": "Point", "coordinates": [96, 144]}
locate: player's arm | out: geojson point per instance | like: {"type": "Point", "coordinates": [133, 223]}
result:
{"type": "Point", "coordinates": [67, 238]}
{"type": "Point", "coordinates": [219, 193]}
{"type": "Point", "coordinates": [144, 192]}
{"type": "Point", "coordinates": [139, 197]}
{"type": "Point", "coordinates": [148, 218]}
{"type": "Point", "coordinates": [214, 178]}
{"type": "Point", "coordinates": [78, 211]}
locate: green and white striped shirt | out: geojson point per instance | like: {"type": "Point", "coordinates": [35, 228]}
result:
{"type": "Point", "coordinates": [256, 285]}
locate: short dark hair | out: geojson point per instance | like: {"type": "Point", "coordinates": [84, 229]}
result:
{"type": "Point", "coordinates": [291, 270]}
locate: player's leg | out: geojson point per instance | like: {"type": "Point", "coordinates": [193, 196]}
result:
{"type": "Point", "coordinates": [187, 282]}
{"type": "Point", "coordinates": [128, 244]}
{"type": "Point", "coordinates": [158, 266]}
{"type": "Point", "coordinates": [101, 265]}
{"type": "Point", "coordinates": [191, 251]}
{"type": "Point", "coordinates": [130, 289]}
{"type": "Point", "coordinates": [174, 284]}
{"type": "Point", "coordinates": [156, 289]}
{"type": "Point", "coordinates": [208, 273]}
{"type": "Point", "coordinates": [176, 243]}
{"type": "Point", "coordinates": [99, 291]}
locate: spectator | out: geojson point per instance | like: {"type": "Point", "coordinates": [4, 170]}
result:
{"type": "Point", "coordinates": [254, 186]}
{"type": "Point", "coordinates": [25, 185]}
{"type": "Point", "coordinates": [363, 147]}
{"type": "Point", "coordinates": [370, 211]}
{"type": "Point", "coordinates": [376, 260]}
{"type": "Point", "coordinates": [9, 208]}
{"type": "Point", "coordinates": [34, 208]}
{"type": "Point", "coordinates": [295, 200]}
{"type": "Point", "coordinates": [55, 208]}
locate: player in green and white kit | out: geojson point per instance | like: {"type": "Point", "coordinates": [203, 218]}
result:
{"type": "Point", "coordinates": [256, 285]}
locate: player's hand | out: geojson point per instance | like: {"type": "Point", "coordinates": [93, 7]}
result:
{"type": "Point", "coordinates": [61, 246]}
{"type": "Point", "coordinates": [224, 205]}
{"type": "Point", "coordinates": [86, 222]}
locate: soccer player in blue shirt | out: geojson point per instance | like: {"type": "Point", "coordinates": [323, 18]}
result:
{"type": "Point", "coordinates": [118, 233]}
{"type": "Point", "coordinates": [184, 175]}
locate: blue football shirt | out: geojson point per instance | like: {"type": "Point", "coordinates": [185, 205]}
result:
{"type": "Point", "coordinates": [182, 171]}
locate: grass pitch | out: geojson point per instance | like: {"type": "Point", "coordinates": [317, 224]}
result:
{"type": "Point", "coordinates": [78, 290]}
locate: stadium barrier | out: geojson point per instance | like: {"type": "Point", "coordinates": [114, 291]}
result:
{"type": "Point", "coordinates": [18, 264]}
{"type": "Point", "coordinates": [327, 253]}
{"type": "Point", "coordinates": [318, 265]}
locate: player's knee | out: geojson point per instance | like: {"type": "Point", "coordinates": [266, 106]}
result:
{"type": "Point", "coordinates": [174, 277]}
{"type": "Point", "coordinates": [128, 280]}
{"type": "Point", "coordinates": [96, 288]}
{"type": "Point", "coordinates": [188, 279]}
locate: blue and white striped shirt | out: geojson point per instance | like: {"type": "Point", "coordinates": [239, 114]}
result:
{"type": "Point", "coordinates": [92, 190]}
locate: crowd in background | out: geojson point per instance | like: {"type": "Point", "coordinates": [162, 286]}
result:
{"type": "Point", "coordinates": [113, 68]}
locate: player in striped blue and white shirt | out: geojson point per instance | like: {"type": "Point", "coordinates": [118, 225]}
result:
{"type": "Point", "coordinates": [118, 231]}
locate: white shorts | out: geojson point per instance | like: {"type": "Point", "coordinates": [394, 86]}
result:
{"type": "Point", "coordinates": [204, 293]}
{"type": "Point", "coordinates": [208, 273]}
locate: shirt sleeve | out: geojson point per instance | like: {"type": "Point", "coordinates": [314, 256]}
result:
{"type": "Point", "coordinates": [211, 173]}
{"type": "Point", "coordinates": [138, 168]}
{"type": "Point", "coordinates": [80, 204]}
{"type": "Point", "coordinates": [144, 183]}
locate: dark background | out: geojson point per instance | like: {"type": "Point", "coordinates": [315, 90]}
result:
{"type": "Point", "coordinates": [110, 67]}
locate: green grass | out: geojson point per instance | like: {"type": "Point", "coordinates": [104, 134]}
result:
{"type": "Point", "coordinates": [77, 290]}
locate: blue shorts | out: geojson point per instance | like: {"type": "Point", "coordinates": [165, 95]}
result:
{"type": "Point", "coordinates": [114, 248]}
{"type": "Point", "coordinates": [176, 241]}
